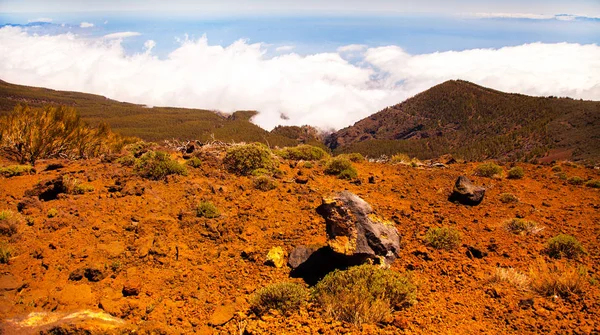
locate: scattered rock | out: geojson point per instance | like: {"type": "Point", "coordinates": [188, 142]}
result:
{"type": "Point", "coordinates": [371, 179]}
{"type": "Point", "coordinates": [446, 159]}
{"type": "Point", "coordinates": [354, 230]}
{"type": "Point", "coordinates": [299, 255]}
{"type": "Point", "coordinates": [30, 206]}
{"type": "Point", "coordinates": [9, 282]}
{"type": "Point", "coordinates": [526, 303]}
{"type": "Point", "coordinates": [301, 180]}
{"type": "Point", "coordinates": [466, 192]}
{"type": "Point", "coordinates": [473, 252]}
{"type": "Point", "coordinates": [276, 257]}
{"type": "Point", "coordinates": [92, 274]}
{"type": "Point", "coordinates": [132, 287]}
{"type": "Point", "coordinates": [222, 315]}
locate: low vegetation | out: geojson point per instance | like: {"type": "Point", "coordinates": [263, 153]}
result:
{"type": "Point", "coordinates": [207, 210]}
{"type": "Point", "coordinates": [194, 162]}
{"type": "Point", "coordinates": [157, 165]}
{"type": "Point", "coordinates": [516, 172]}
{"type": "Point", "coordinates": [16, 170]}
{"type": "Point", "coordinates": [354, 157]}
{"type": "Point", "coordinates": [264, 183]}
{"type": "Point", "coordinates": [9, 222]}
{"type": "Point", "coordinates": [508, 198]}
{"type": "Point", "coordinates": [342, 168]}
{"type": "Point", "coordinates": [446, 238]}
{"type": "Point", "coordinates": [244, 159]}
{"type": "Point", "coordinates": [400, 158]}
{"type": "Point", "coordinates": [594, 183]}
{"type": "Point", "coordinates": [522, 226]}
{"type": "Point", "coordinates": [488, 170]}
{"type": "Point", "coordinates": [303, 152]}
{"type": "Point", "coordinates": [564, 245]}
{"type": "Point", "coordinates": [74, 186]}
{"type": "Point", "coordinates": [364, 294]}
{"type": "Point", "coordinates": [575, 180]}
{"type": "Point", "coordinates": [283, 297]}
{"type": "Point", "coordinates": [557, 279]}
{"type": "Point", "coordinates": [52, 212]}
{"type": "Point", "coordinates": [28, 134]}
{"type": "Point", "coordinates": [511, 276]}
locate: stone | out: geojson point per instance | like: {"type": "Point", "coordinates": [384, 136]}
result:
{"type": "Point", "coordinates": [299, 255]}
{"type": "Point", "coordinates": [301, 180]}
{"type": "Point", "coordinates": [222, 315]}
{"type": "Point", "coordinates": [353, 229]}
{"type": "Point", "coordinates": [466, 192]}
{"type": "Point", "coordinates": [276, 257]}
{"type": "Point", "coordinates": [92, 274]}
{"type": "Point", "coordinates": [9, 282]}
{"type": "Point", "coordinates": [132, 287]}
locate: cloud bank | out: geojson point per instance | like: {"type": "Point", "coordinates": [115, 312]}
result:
{"type": "Point", "coordinates": [329, 90]}
{"type": "Point", "coordinates": [122, 34]}
{"type": "Point", "coordinates": [86, 25]}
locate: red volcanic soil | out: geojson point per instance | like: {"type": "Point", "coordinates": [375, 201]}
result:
{"type": "Point", "coordinates": [154, 264]}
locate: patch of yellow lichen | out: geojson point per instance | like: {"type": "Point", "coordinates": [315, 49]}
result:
{"type": "Point", "coordinates": [378, 219]}
{"type": "Point", "coordinates": [343, 245]}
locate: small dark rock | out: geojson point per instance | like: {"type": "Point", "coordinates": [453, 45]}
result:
{"type": "Point", "coordinates": [466, 192]}
{"type": "Point", "coordinates": [473, 252]}
{"type": "Point", "coordinates": [371, 179]}
{"type": "Point", "coordinates": [526, 303]}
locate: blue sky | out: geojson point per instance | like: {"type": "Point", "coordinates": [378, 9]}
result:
{"type": "Point", "coordinates": [326, 63]}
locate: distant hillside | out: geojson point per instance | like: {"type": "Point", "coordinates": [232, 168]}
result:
{"type": "Point", "coordinates": [152, 124]}
{"type": "Point", "coordinates": [477, 123]}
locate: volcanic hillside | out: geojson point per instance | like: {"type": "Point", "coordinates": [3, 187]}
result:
{"type": "Point", "coordinates": [477, 123]}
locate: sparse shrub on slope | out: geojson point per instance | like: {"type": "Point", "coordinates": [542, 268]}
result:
{"type": "Point", "coordinates": [353, 157]}
{"type": "Point", "coordinates": [31, 134]}
{"type": "Point", "coordinates": [575, 180]}
{"type": "Point", "coordinates": [74, 186]}
{"type": "Point", "coordinates": [194, 162]}
{"type": "Point", "coordinates": [9, 222]}
{"type": "Point", "coordinates": [557, 168]}
{"type": "Point", "coordinates": [303, 152]}
{"type": "Point", "coordinates": [283, 297]}
{"type": "Point", "coordinates": [488, 170]}
{"type": "Point", "coordinates": [342, 168]}
{"type": "Point", "coordinates": [264, 183]}
{"type": "Point", "coordinates": [127, 160]}
{"type": "Point", "coordinates": [516, 172]}
{"type": "Point", "coordinates": [564, 245]}
{"type": "Point", "coordinates": [207, 210]}
{"type": "Point", "coordinates": [443, 238]}
{"type": "Point", "coordinates": [158, 165]}
{"type": "Point", "coordinates": [244, 159]}
{"type": "Point", "coordinates": [139, 148]}
{"type": "Point", "coordinates": [557, 279]}
{"type": "Point", "coordinates": [521, 226]}
{"type": "Point", "coordinates": [16, 170]}
{"type": "Point", "coordinates": [508, 198]}
{"type": "Point", "coordinates": [400, 158]}
{"type": "Point", "coordinates": [364, 294]}
{"type": "Point", "coordinates": [594, 183]}
{"type": "Point", "coordinates": [5, 253]}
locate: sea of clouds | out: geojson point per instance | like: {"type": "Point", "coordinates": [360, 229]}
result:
{"type": "Point", "coordinates": [328, 90]}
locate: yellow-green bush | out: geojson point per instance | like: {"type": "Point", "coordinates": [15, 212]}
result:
{"type": "Point", "coordinates": [16, 170]}
{"type": "Point", "coordinates": [341, 167]}
{"type": "Point", "coordinates": [564, 245]}
{"type": "Point", "coordinates": [575, 180]}
{"type": "Point", "coordinates": [283, 297]}
{"type": "Point", "coordinates": [158, 165]}
{"type": "Point", "coordinates": [364, 294]}
{"type": "Point", "coordinates": [207, 210]}
{"type": "Point", "coordinates": [74, 186]}
{"type": "Point", "coordinates": [303, 152]}
{"type": "Point", "coordinates": [516, 172]}
{"type": "Point", "coordinates": [9, 222]}
{"type": "Point", "coordinates": [400, 158]}
{"type": "Point", "coordinates": [264, 183]}
{"type": "Point", "coordinates": [508, 198]}
{"type": "Point", "coordinates": [488, 170]}
{"type": "Point", "coordinates": [244, 159]}
{"type": "Point", "coordinates": [594, 183]}
{"type": "Point", "coordinates": [521, 226]}
{"type": "Point", "coordinates": [354, 157]}
{"type": "Point", "coordinates": [443, 238]}
{"type": "Point", "coordinates": [194, 162]}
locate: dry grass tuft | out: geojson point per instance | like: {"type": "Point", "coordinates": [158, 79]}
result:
{"type": "Point", "coordinates": [558, 279]}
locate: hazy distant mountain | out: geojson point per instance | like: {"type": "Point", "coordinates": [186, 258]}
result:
{"type": "Point", "coordinates": [475, 122]}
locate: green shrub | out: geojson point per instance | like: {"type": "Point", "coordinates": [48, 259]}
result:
{"type": "Point", "coordinates": [5, 253]}
{"type": "Point", "coordinates": [508, 198]}
{"type": "Point", "coordinates": [194, 162]}
{"type": "Point", "coordinates": [158, 165]}
{"type": "Point", "coordinates": [264, 183]}
{"type": "Point", "coordinates": [74, 186]}
{"type": "Point", "coordinates": [557, 168]}
{"type": "Point", "coordinates": [341, 167]}
{"type": "Point", "coordinates": [303, 152]}
{"type": "Point", "coordinates": [516, 172]}
{"type": "Point", "coordinates": [521, 226]}
{"type": "Point", "coordinates": [400, 158]}
{"type": "Point", "coordinates": [594, 183]}
{"type": "Point", "coordinates": [128, 160]}
{"type": "Point", "coordinates": [139, 148]}
{"type": "Point", "coordinates": [364, 294]}
{"type": "Point", "coordinates": [207, 209]}
{"type": "Point", "coordinates": [443, 238]}
{"type": "Point", "coordinates": [354, 157]}
{"type": "Point", "coordinates": [244, 159]}
{"type": "Point", "coordinates": [488, 170]}
{"type": "Point", "coordinates": [16, 170]}
{"type": "Point", "coordinates": [9, 222]}
{"type": "Point", "coordinates": [52, 212]}
{"type": "Point", "coordinates": [308, 165]}
{"type": "Point", "coordinates": [564, 245]}
{"type": "Point", "coordinates": [575, 180]}
{"type": "Point", "coordinates": [561, 175]}
{"type": "Point", "coordinates": [284, 297]}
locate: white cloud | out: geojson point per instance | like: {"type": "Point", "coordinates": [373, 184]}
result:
{"type": "Point", "coordinates": [41, 19]}
{"type": "Point", "coordinates": [123, 34]}
{"type": "Point", "coordinates": [352, 48]}
{"type": "Point", "coordinates": [285, 48]}
{"type": "Point", "coordinates": [86, 25]}
{"type": "Point", "coordinates": [513, 16]}
{"type": "Point", "coordinates": [323, 89]}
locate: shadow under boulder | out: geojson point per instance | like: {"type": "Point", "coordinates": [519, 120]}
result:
{"type": "Point", "coordinates": [313, 265]}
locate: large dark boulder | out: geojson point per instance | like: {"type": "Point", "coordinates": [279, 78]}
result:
{"type": "Point", "coordinates": [354, 230]}
{"type": "Point", "coordinates": [466, 192]}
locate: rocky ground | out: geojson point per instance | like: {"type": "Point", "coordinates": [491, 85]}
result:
{"type": "Point", "coordinates": [134, 250]}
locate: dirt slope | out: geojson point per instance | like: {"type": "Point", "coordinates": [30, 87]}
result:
{"type": "Point", "coordinates": [190, 271]}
